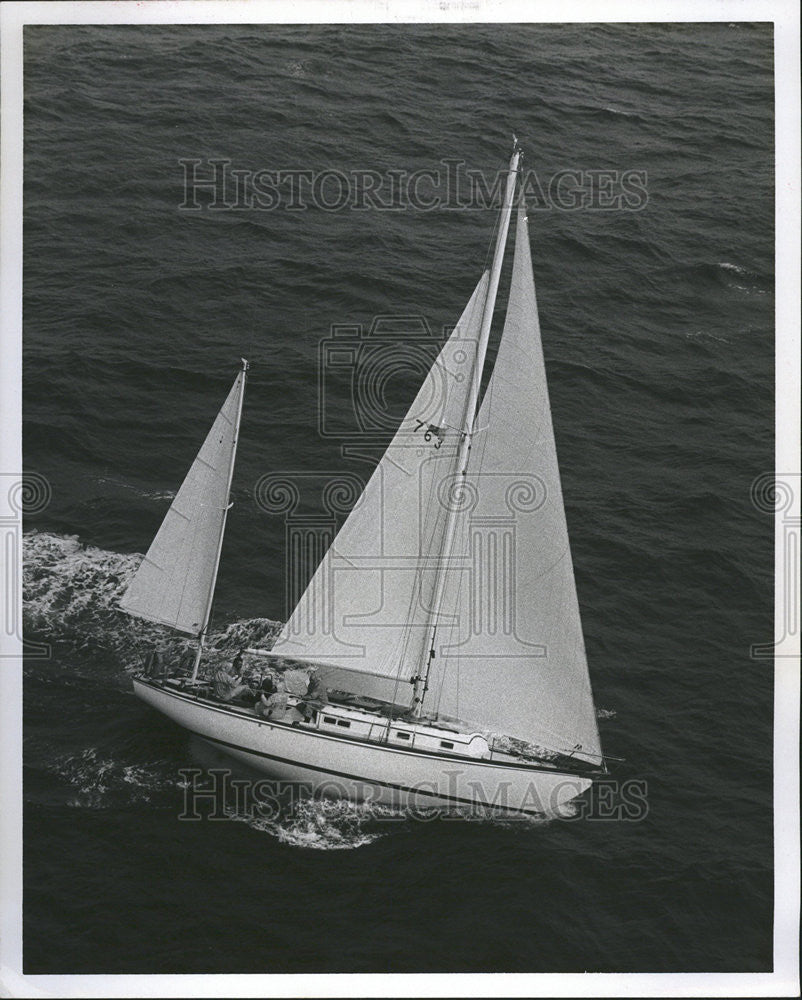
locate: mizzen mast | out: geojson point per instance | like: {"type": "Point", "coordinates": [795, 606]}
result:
{"type": "Point", "coordinates": [229, 504]}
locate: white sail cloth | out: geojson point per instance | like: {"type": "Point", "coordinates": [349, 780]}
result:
{"type": "Point", "coordinates": [174, 583]}
{"type": "Point", "coordinates": [366, 611]}
{"type": "Point", "coordinates": [510, 653]}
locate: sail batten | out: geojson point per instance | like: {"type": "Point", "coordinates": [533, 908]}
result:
{"type": "Point", "coordinates": [175, 581]}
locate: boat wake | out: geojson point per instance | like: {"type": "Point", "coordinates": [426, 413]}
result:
{"type": "Point", "coordinates": [99, 781]}
{"type": "Point", "coordinates": [324, 824]}
{"type": "Point", "coordinates": [70, 597]}
{"type": "Point", "coordinates": [71, 591]}
{"type": "Point", "coordinates": [335, 825]}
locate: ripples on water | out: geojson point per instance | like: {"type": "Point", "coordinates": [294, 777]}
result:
{"type": "Point", "coordinates": [659, 344]}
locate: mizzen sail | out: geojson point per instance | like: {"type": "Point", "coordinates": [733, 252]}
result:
{"type": "Point", "coordinates": [175, 581]}
{"type": "Point", "coordinates": [366, 610]}
{"type": "Point", "coordinates": [510, 652]}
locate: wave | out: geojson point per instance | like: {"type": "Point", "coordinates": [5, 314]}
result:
{"type": "Point", "coordinates": [324, 824]}
{"type": "Point", "coordinates": [733, 267]}
{"type": "Point", "coordinates": [744, 279]}
{"type": "Point", "coordinates": [725, 274]}
{"type": "Point", "coordinates": [337, 824]}
{"type": "Point", "coordinates": [145, 494]}
{"type": "Point", "coordinates": [619, 112]}
{"type": "Point", "coordinates": [98, 781]}
{"type": "Point", "coordinates": [70, 597]}
{"type": "Point", "coordinates": [706, 335]}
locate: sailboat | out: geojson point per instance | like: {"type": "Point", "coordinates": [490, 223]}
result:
{"type": "Point", "coordinates": [443, 620]}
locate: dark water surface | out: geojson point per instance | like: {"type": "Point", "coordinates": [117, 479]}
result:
{"type": "Point", "coordinates": [658, 335]}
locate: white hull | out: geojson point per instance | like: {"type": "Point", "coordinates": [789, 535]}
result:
{"type": "Point", "coordinates": [343, 767]}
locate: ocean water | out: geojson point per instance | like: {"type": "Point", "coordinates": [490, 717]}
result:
{"type": "Point", "coordinates": [657, 323]}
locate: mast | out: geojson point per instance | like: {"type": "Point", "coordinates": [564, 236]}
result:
{"type": "Point", "coordinates": [422, 679]}
{"type": "Point", "coordinates": [229, 505]}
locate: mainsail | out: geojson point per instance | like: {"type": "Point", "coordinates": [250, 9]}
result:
{"type": "Point", "coordinates": [175, 581]}
{"type": "Point", "coordinates": [366, 611]}
{"type": "Point", "coordinates": [510, 653]}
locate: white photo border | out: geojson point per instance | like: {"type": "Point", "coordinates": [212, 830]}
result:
{"type": "Point", "coordinates": [784, 980]}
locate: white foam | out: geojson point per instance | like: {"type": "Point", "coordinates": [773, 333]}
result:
{"type": "Point", "coordinates": [71, 592]}
{"type": "Point", "coordinates": [146, 494]}
{"type": "Point", "coordinates": [101, 781]}
{"type": "Point", "coordinates": [324, 825]}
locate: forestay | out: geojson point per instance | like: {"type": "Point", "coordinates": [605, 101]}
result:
{"type": "Point", "coordinates": [510, 652]}
{"type": "Point", "coordinates": [174, 583]}
{"type": "Point", "coordinates": [366, 610]}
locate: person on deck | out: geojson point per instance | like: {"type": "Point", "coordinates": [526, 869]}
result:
{"type": "Point", "coordinates": [154, 667]}
{"type": "Point", "coordinates": [316, 696]}
{"type": "Point", "coordinates": [273, 701]}
{"type": "Point", "coordinates": [317, 690]}
{"type": "Point", "coordinates": [228, 683]}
